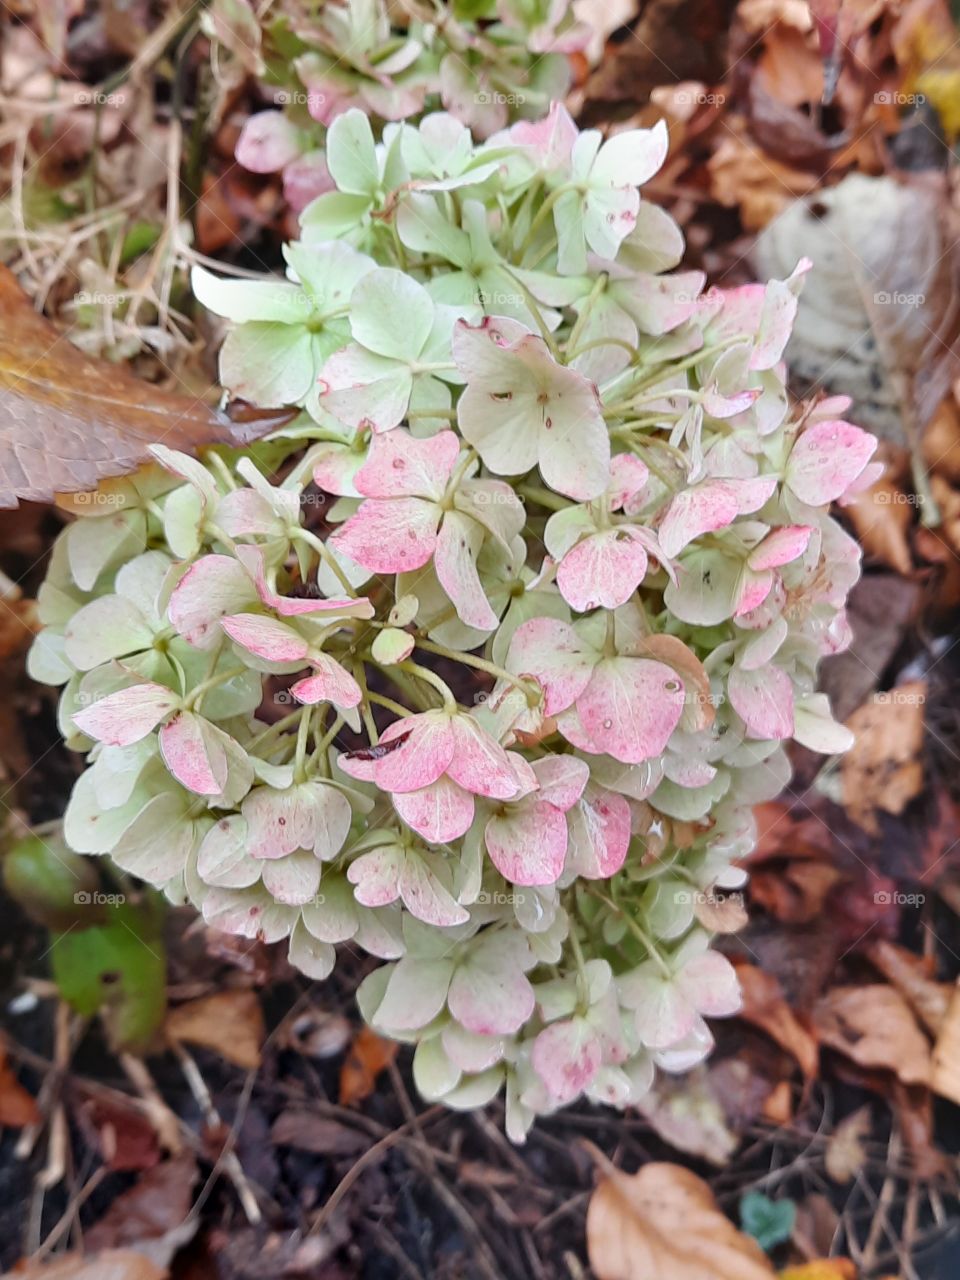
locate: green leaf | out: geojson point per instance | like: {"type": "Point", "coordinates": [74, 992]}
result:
{"type": "Point", "coordinates": [117, 968]}
{"type": "Point", "coordinates": [53, 885]}
{"type": "Point", "coordinates": [770, 1222]}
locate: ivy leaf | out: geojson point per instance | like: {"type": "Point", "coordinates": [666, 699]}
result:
{"type": "Point", "coordinates": [770, 1222]}
{"type": "Point", "coordinates": [68, 421]}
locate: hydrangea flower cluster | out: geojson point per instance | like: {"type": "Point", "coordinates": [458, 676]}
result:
{"type": "Point", "coordinates": [541, 592]}
{"type": "Point", "coordinates": [487, 62]}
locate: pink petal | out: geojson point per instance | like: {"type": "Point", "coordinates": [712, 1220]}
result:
{"type": "Point", "coordinates": [401, 466]}
{"type": "Point", "coordinates": [567, 1056]}
{"type": "Point", "coordinates": [631, 707]}
{"type": "Point", "coordinates": [528, 844]}
{"type": "Point", "coordinates": [455, 562]}
{"type": "Point", "coordinates": [268, 141]}
{"type": "Point", "coordinates": [599, 833]}
{"type": "Point", "coordinates": [440, 812]}
{"type": "Point", "coordinates": [215, 585]}
{"type": "Point", "coordinates": [628, 477]}
{"type": "Point", "coordinates": [376, 876]}
{"type": "Point", "coordinates": [200, 765]}
{"type": "Point", "coordinates": [265, 637]}
{"type": "Point", "coordinates": [490, 994]}
{"type": "Point", "coordinates": [479, 763]}
{"type": "Point", "coordinates": [551, 652]}
{"type": "Point", "coordinates": [764, 700]}
{"type": "Point", "coordinates": [754, 589]}
{"type": "Point", "coordinates": [602, 571]}
{"type": "Point", "coordinates": [780, 547]}
{"type": "Point", "coordinates": [562, 780]}
{"type": "Point", "coordinates": [122, 718]}
{"type": "Point", "coordinates": [663, 1015]}
{"type": "Point", "coordinates": [709, 982]}
{"type": "Point", "coordinates": [426, 897]}
{"type": "Point", "coordinates": [290, 607]}
{"type": "Point", "coordinates": [826, 459]}
{"type": "Point", "coordinates": [391, 535]}
{"type": "Point", "coordinates": [706, 507]}
{"type": "Point", "coordinates": [424, 754]}
{"type": "Point", "coordinates": [244, 512]}
{"type": "Point", "coordinates": [331, 683]}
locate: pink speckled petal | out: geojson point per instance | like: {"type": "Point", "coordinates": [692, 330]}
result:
{"type": "Point", "coordinates": [390, 535]}
{"type": "Point", "coordinates": [330, 683]}
{"type": "Point", "coordinates": [602, 571]}
{"type": "Point", "coordinates": [265, 637]}
{"type": "Point", "coordinates": [122, 718]}
{"type": "Point", "coordinates": [455, 562]}
{"type": "Point", "coordinates": [706, 507]}
{"type": "Point", "coordinates": [553, 653]}
{"type": "Point", "coordinates": [480, 764]}
{"type": "Point", "coordinates": [401, 466]}
{"type": "Point", "coordinates": [630, 707]}
{"type": "Point", "coordinates": [197, 760]}
{"type": "Point", "coordinates": [826, 459]}
{"type": "Point", "coordinates": [780, 547]}
{"type": "Point", "coordinates": [212, 587]}
{"type": "Point", "coordinates": [424, 754]}
{"type": "Point", "coordinates": [567, 1056]}
{"type": "Point", "coordinates": [439, 812]}
{"type": "Point", "coordinates": [528, 843]}
{"type": "Point", "coordinates": [764, 700]}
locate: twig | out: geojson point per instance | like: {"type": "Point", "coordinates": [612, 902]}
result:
{"type": "Point", "coordinates": [228, 1160]}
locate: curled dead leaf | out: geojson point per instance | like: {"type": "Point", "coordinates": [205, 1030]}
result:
{"type": "Point", "coordinates": [945, 1076]}
{"type": "Point", "coordinates": [883, 769]}
{"type": "Point", "coordinates": [880, 316]}
{"type": "Point", "coordinates": [874, 1027]}
{"type": "Point", "coordinates": [69, 420]}
{"type": "Point", "coordinates": [929, 999]}
{"type": "Point", "coordinates": [228, 1022]}
{"type": "Point", "coordinates": [111, 1264]}
{"type": "Point", "coordinates": [764, 1006]}
{"type": "Point", "coordinates": [663, 1223]}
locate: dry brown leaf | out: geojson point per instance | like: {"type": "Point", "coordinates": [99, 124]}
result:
{"type": "Point", "coordinates": [742, 176]}
{"type": "Point", "coordinates": [790, 67]}
{"type": "Point", "coordinates": [941, 440]}
{"type": "Point", "coordinates": [663, 1223]}
{"type": "Point", "coordinates": [687, 1113]}
{"type": "Point", "coordinates": [845, 1156]}
{"type": "Point", "coordinates": [947, 501]}
{"type": "Point", "coordinates": [880, 315]}
{"type": "Point", "coordinates": [112, 1264]}
{"type": "Point", "coordinates": [229, 1022]}
{"type": "Point", "coordinates": [945, 1075]}
{"type": "Point", "coordinates": [760, 15]}
{"type": "Point", "coordinates": [928, 998]}
{"type": "Point", "coordinates": [152, 1216]}
{"type": "Point", "coordinates": [369, 1055]}
{"type": "Point", "coordinates": [874, 1027]}
{"type": "Point", "coordinates": [17, 1107]}
{"type": "Point", "coordinates": [881, 517]}
{"type": "Point", "coordinates": [764, 1006]}
{"type": "Point", "coordinates": [69, 421]}
{"type": "Point", "coordinates": [883, 769]}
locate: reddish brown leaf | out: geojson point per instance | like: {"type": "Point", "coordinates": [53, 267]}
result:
{"type": "Point", "coordinates": [68, 421]}
{"type": "Point", "coordinates": [369, 1055]}
{"type": "Point", "coordinates": [17, 1107]}
{"type": "Point", "coordinates": [112, 1264]}
{"type": "Point", "coordinates": [765, 1007]}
